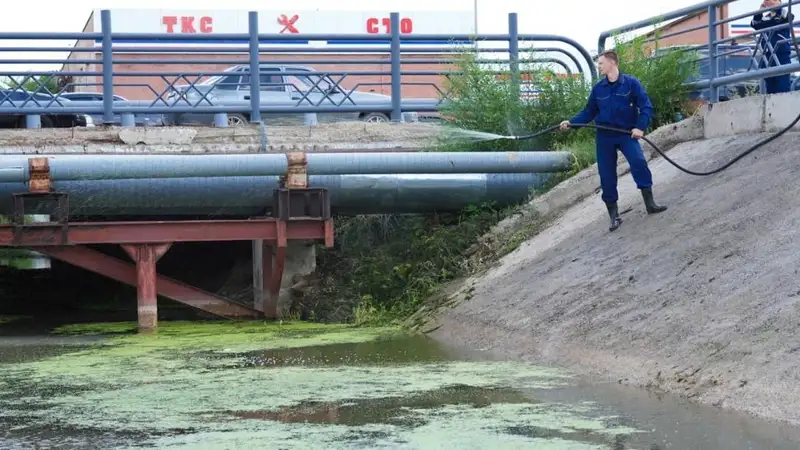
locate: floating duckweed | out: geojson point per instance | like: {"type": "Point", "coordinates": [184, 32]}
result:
{"type": "Point", "coordinates": [229, 384]}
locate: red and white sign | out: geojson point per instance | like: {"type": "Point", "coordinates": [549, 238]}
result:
{"type": "Point", "coordinates": [187, 24]}
{"type": "Point", "coordinates": [287, 21]}
{"type": "Point", "coordinates": [374, 26]}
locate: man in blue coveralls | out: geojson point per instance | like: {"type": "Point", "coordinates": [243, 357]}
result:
{"type": "Point", "coordinates": [619, 101]}
{"type": "Point", "coordinates": [774, 44]}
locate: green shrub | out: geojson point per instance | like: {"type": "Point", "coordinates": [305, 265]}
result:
{"type": "Point", "coordinates": [384, 266]}
{"type": "Point", "coordinates": [483, 98]}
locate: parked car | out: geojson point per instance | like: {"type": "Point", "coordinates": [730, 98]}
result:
{"type": "Point", "coordinates": [141, 120]}
{"type": "Point", "coordinates": [276, 87]}
{"type": "Point", "coordinates": [18, 98]}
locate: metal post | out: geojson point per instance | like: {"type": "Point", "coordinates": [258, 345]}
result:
{"type": "Point", "coordinates": [397, 115]}
{"type": "Point", "coordinates": [513, 52]}
{"type": "Point", "coordinates": [33, 121]}
{"type": "Point", "coordinates": [221, 120]}
{"type": "Point", "coordinates": [146, 288]}
{"type": "Point", "coordinates": [255, 71]}
{"type": "Point", "coordinates": [712, 52]}
{"type": "Point", "coordinates": [128, 120]}
{"type": "Point", "coordinates": [108, 68]}
{"type": "Point", "coordinates": [260, 280]}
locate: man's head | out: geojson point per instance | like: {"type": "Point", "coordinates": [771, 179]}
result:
{"type": "Point", "coordinates": [770, 3]}
{"type": "Point", "coordinates": [608, 62]}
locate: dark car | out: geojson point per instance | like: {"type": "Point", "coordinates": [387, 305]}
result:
{"type": "Point", "coordinates": [141, 120]}
{"type": "Point", "coordinates": [17, 98]}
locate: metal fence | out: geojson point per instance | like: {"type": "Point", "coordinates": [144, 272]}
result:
{"type": "Point", "coordinates": [717, 52]}
{"type": "Point", "coordinates": [210, 97]}
{"type": "Point", "coordinates": [248, 98]}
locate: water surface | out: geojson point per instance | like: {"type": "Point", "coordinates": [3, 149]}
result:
{"type": "Point", "coordinates": [251, 385]}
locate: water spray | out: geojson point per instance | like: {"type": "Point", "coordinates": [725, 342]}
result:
{"type": "Point", "coordinates": [644, 138]}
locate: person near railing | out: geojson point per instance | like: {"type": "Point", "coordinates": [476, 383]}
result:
{"type": "Point", "coordinates": [620, 101]}
{"type": "Point", "coordinates": [774, 44]}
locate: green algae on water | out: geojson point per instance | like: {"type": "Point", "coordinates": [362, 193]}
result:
{"type": "Point", "coordinates": [196, 386]}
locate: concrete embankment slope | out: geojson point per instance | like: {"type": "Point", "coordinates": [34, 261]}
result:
{"type": "Point", "coordinates": [702, 301]}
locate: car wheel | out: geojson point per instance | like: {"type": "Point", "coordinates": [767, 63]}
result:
{"type": "Point", "coordinates": [237, 120]}
{"type": "Point", "coordinates": [376, 118]}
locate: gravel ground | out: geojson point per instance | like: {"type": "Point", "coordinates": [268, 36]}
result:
{"type": "Point", "coordinates": [702, 300]}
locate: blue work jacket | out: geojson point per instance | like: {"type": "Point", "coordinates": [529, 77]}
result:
{"type": "Point", "coordinates": [778, 17]}
{"type": "Point", "coordinates": [623, 104]}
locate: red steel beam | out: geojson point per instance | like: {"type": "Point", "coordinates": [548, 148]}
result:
{"type": "Point", "coordinates": [152, 232]}
{"type": "Point", "coordinates": [124, 272]}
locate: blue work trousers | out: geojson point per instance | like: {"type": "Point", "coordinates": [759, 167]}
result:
{"type": "Point", "coordinates": [781, 83]}
{"type": "Point", "coordinates": [607, 146]}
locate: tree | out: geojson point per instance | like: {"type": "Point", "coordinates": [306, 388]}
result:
{"type": "Point", "coordinates": [41, 83]}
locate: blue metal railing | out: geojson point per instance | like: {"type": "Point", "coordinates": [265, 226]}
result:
{"type": "Point", "coordinates": [714, 81]}
{"type": "Point", "coordinates": [197, 98]}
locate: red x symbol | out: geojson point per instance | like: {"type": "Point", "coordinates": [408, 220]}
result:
{"type": "Point", "coordinates": [288, 24]}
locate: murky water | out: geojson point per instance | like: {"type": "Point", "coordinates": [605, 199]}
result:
{"type": "Point", "coordinates": [301, 387]}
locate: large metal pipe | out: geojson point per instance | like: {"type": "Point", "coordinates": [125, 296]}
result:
{"type": "Point", "coordinates": [248, 196]}
{"type": "Point", "coordinates": [14, 168]}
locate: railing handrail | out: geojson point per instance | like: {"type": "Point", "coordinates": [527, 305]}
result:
{"type": "Point", "coordinates": [676, 14]}
{"type": "Point", "coordinates": [393, 44]}
{"type": "Point", "coordinates": [713, 44]}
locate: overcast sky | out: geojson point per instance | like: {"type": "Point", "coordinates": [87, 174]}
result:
{"type": "Point", "coordinates": [582, 20]}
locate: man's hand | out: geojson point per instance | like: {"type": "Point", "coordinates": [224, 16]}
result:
{"type": "Point", "coordinates": [637, 133]}
{"type": "Point", "coordinates": [564, 125]}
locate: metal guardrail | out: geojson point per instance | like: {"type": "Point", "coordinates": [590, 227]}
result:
{"type": "Point", "coordinates": [714, 82]}
{"type": "Point", "coordinates": [194, 97]}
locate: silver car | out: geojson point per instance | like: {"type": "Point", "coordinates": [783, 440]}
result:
{"type": "Point", "coordinates": [314, 89]}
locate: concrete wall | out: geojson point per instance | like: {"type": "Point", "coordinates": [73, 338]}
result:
{"type": "Point", "coordinates": [754, 114]}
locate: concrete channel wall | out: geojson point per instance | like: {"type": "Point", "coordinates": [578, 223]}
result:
{"type": "Point", "coordinates": [756, 114]}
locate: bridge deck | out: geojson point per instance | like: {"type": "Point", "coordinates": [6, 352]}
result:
{"type": "Point", "coordinates": [345, 136]}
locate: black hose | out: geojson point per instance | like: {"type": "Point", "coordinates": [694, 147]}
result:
{"type": "Point", "coordinates": [683, 169]}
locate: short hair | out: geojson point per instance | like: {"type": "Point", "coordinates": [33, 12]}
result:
{"type": "Point", "coordinates": [612, 55]}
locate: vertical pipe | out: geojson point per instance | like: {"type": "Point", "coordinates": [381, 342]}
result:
{"type": "Point", "coordinates": [255, 72]}
{"type": "Point", "coordinates": [395, 50]}
{"type": "Point", "coordinates": [513, 52]}
{"type": "Point", "coordinates": [108, 68]}
{"type": "Point", "coordinates": [146, 287]}
{"type": "Point", "coordinates": [712, 52]}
